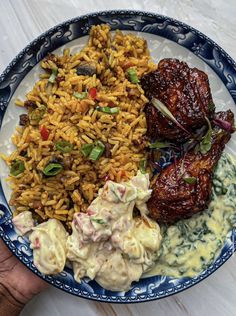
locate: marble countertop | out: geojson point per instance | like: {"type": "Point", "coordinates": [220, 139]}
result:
{"type": "Point", "coordinates": [23, 20]}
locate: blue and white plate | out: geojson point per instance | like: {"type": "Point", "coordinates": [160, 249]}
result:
{"type": "Point", "coordinates": [166, 38]}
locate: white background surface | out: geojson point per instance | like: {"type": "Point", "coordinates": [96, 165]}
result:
{"type": "Point", "coordinates": [20, 22]}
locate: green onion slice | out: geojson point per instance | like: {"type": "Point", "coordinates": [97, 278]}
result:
{"type": "Point", "coordinates": [86, 149]}
{"type": "Point", "coordinates": [80, 96]}
{"type": "Point", "coordinates": [52, 169]}
{"type": "Point", "coordinates": [142, 165]}
{"type": "Point", "coordinates": [97, 151]}
{"type": "Point", "coordinates": [98, 220]}
{"type": "Point", "coordinates": [63, 146]}
{"type": "Point", "coordinates": [132, 73]}
{"type": "Point", "coordinates": [37, 114]}
{"type": "Point", "coordinates": [17, 167]}
{"type": "Point", "coordinates": [190, 180]}
{"type": "Point", "coordinates": [100, 144]}
{"type": "Point", "coordinates": [53, 76]}
{"type": "Point", "coordinates": [107, 109]}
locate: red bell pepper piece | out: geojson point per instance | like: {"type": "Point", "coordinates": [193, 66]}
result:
{"type": "Point", "coordinates": [93, 93]}
{"type": "Point", "coordinates": [44, 133]}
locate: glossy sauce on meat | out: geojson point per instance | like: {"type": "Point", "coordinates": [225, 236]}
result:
{"type": "Point", "coordinates": [185, 92]}
{"type": "Point", "coordinates": [172, 197]}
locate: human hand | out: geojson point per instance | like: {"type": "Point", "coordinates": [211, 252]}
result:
{"type": "Point", "coordinates": [17, 283]}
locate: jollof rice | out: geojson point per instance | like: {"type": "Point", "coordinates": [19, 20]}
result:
{"type": "Point", "coordinates": [79, 122]}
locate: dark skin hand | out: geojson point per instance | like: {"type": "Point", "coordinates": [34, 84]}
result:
{"type": "Point", "coordinates": [18, 284]}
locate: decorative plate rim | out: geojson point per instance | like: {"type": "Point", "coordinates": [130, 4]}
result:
{"type": "Point", "coordinates": [10, 68]}
{"type": "Point", "coordinates": [102, 12]}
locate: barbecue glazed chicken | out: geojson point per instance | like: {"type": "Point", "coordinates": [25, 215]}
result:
{"type": "Point", "coordinates": [185, 92]}
{"type": "Point", "coordinates": [184, 187]}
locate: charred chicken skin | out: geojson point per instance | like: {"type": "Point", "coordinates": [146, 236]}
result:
{"type": "Point", "coordinates": [185, 92]}
{"type": "Point", "coordinates": [173, 197]}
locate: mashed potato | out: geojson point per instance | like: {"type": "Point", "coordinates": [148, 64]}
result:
{"type": "Point", "coordinates": [107, 243]}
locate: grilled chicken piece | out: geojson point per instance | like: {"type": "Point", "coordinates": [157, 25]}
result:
{"type": "Point", "coordinates": [172, 197]}
{"type": "Point", "coordinates": [185, 92]}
